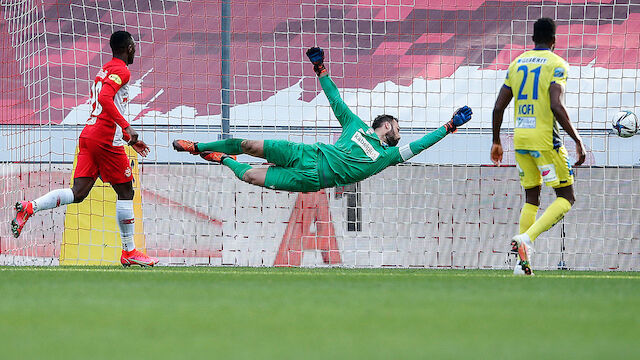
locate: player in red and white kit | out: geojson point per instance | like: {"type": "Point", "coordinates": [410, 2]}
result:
{"type": "Point", "coordinates": [101, 151]}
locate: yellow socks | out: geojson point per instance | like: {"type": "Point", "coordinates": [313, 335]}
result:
{"type": "Point", "coordinates": [527, 216]}
{"type": "Point", "coordinates": [554, 213]}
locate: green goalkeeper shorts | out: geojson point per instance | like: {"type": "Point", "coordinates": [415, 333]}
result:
{"type": "Point", "coordinates": [296, 166]}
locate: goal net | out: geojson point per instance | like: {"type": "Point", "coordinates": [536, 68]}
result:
{"type": "Point", "coordinates": [206, 70]}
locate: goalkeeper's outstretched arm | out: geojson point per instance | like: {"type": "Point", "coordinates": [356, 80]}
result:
{"type": "Point", "coordinates": [460, 117]}
{"type": "Point", "coordinates": [340, 109]}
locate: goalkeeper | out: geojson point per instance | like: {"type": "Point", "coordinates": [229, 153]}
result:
{"type": "Point", "coordinates": [360, 152]}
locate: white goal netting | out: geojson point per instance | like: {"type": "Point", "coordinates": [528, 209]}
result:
{"type": "Point", "coordinates": [208, 68]}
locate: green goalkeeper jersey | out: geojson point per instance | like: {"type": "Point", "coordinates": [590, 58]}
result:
{"type": "Point", "coordinates": [359, 153]}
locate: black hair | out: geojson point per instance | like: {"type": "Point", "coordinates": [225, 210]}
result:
{"type": "Point", "coordinates": [119, 41]}
{"type": "Point", "coordinates": [544, 30]}
{"type": "Point", "coordinates": [381, 119]}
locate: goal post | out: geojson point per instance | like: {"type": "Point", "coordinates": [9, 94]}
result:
{"type": "Point", "coordinates": [207, 70]}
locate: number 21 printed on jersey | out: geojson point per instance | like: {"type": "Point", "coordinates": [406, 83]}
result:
{"type": "Point", "coordinates": [536, 79]}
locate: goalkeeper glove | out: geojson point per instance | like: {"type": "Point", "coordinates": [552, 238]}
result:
{"type": "Point", "coordinates": [459, 118]}
{"type": "Point", "coordinates": [316, 55]}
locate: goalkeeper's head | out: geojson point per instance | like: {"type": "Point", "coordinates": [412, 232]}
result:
{"type": "Point", "coordinates": [387, 128]}
{"type": "Point", "coordinates": [123, 46]}
{"type": "Point", "coordinates": [544, 32]}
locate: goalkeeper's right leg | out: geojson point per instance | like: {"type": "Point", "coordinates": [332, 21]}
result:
{"type": "Point", "coordinates": [227, 146]}
{"type": "Point", "coordinates": [278, 152]}
{"type": "Point", "coordinates": [186, 145]}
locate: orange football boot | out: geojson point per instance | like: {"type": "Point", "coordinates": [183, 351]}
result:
{"type": "Point", "coordinates": [520, 245]}
{"type": "Point", "coordinates": [186, 145]}
{"type": "Point", "coordinates": [216, 157]}
{"type": "Point", "coordinates": [135, 257]}
{"type": "Point", "coordinates": [24, 211]}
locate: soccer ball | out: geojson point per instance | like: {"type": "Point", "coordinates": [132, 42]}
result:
{"type": "Point", "coordinates": [625, 124]}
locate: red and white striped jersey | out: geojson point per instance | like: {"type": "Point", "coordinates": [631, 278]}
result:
{"type": "Point", "coordinates": [109, 97]}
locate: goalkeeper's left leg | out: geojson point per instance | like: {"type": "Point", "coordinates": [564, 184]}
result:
{"type": "Point", "coordinates": [275, 177]}
{"type": "Point", "coordinates": [244, 172]}
{"type": "Point", "coordinates": [296, 163]}
{"type": "Point", "coordinates": [298, 179]}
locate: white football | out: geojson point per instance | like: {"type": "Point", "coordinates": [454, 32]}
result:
{"type": "Point", "coordinates": [625, 124]}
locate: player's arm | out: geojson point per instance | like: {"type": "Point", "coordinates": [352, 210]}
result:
{"type": "Point", "coordinates": [459, 118]}
{"type": "Point", "coordinates": [138, 145]}
{"type": "Point", "coordinates": [504, 98]}
{"type": "Point", "coordinates": [560, 112]}
{"type": "Point", "coordinates": [110, 87]}
{"type": "Point", "coordinates": [340, 109]}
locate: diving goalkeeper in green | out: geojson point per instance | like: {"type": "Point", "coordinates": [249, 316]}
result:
{"type": "Point", "coordinates": [360, 152]}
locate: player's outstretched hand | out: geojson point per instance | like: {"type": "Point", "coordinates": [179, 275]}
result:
{"type": "Point", "coordinates": [131, 136]}
{"type": "Point", "coordinates": [141, 148]}
{"type": "Point", "coordinates": [316, 56]}
{"type": "Point", "coordinates": [496, 154]}
{"type": "Point", "coordinates": [459, 118]}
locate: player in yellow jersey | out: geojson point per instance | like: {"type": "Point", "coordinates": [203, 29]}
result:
{"type": "Point", "coordinates": [536, 79]}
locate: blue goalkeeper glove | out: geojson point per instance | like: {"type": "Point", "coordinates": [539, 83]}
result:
{"type": "Point", "coordinates": [316, 55]}
{"type": "Point", "coordinates": [460, 117]}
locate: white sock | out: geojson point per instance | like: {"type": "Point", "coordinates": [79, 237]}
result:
{"type": "Point", "coordinates": [524, 237]}
{"type": "Point", "coordinates": [53, 199]}
{"type": "Point", "coordinates": [126, 219]}
{"type": "Point", "coordinates": [527, 240]}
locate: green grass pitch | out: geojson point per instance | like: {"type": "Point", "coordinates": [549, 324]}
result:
{"type": "Point", "coordinates": [283, 313]}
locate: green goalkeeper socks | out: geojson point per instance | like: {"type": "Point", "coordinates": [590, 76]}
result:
{"type": "Point", "coordinates": [227, 146]}
{"type": "Point", "coordinates": [238, 168]}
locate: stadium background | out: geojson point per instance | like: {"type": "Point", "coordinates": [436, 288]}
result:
{"type": "Point", "coordinates": [418, 60]}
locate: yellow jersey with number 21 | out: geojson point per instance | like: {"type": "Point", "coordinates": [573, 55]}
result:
{"type": "Point", "coordinates": [529, 77]}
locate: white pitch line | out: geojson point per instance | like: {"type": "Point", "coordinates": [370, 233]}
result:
{"type": "Point", "coordinates": [354, 272]}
